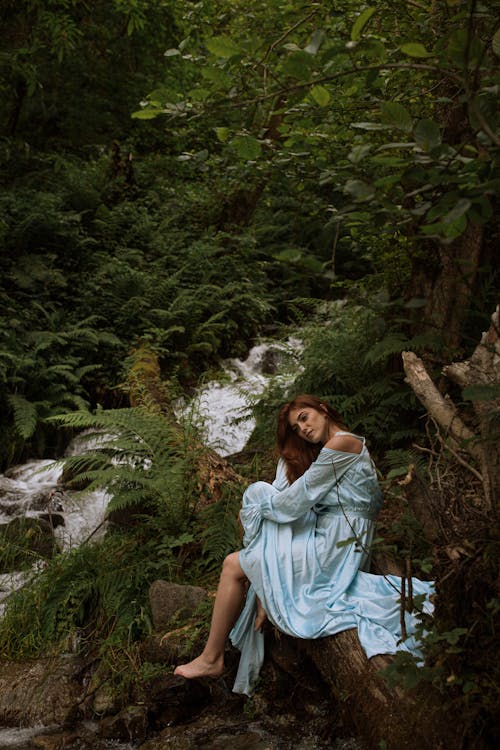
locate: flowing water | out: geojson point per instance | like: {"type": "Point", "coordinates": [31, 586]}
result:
{"type": "Point", "coordinates": [34, 490]}
{"type": "Point", "coordinates": [224, 406]}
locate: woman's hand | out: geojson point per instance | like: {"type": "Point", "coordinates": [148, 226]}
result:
{"type": "Point", "coordinates": [260, 617]}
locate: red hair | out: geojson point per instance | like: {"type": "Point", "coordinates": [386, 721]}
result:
{"type": "Point", "coordinates": [297, 453]}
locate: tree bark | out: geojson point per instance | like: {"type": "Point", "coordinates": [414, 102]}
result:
{"type": "Point", "coordinates": [402, 719]}
{"type": "Point", "coordinates": [482, 369]}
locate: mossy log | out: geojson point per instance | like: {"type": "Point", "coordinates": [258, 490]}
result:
{"type": "Point", "coordinates": [392, 718]}
{"type": "Point", "coordinates": [147, 389]}
{"type": "Point", "coordinates": [404, 720]}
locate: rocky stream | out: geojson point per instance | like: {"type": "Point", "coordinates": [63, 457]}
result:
{"type": "Point", "coordinates": [56, 703]}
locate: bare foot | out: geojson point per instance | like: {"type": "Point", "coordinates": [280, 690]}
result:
{"type": "Point", "coordinates": [200, 667]}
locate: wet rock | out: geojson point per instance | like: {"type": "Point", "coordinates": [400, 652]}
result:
{"type": "Point", "coordinates": [56, 741]}
{"type": "Point", "coordinates": [169, 600]}
{"type": "Point", "coordinates": [106, 701]}
{"type": "Point", "coordinates": [52, 499]}
{"type": "Point", "coordinates": [244, 741]}
{"type": "Point", "coordinates": [53, 519]}
{"type": "Point", "coordinates": [174, 700]}
{"type": "Point", "coordinates": [170, 648]}
{"type": "Point", "coordinates": [271, 361]}
{"type": "Point", "coordinates": [40, 691]}
{"type": "Point", "coordinates": [131, 725]}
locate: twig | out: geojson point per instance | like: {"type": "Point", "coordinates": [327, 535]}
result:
{"type": "Point", "coordinates": [360, 69]}
{"type": "Point", "coordinates": [402, 609]}
{"type": "Point", "coordinates": [458, 458]}
{"type": "Point", "coordinates": [409, 604]}
{"type": "Point", "coordinates": [286, 34]}
{"type": "Point", "coordinates": [424, 450]}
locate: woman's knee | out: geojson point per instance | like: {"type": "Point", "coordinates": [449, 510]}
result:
{"type": "Point", "coordinates": [231, 565]}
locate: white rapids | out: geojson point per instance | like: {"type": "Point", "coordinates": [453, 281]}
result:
{"type": "Point", "coordinates": [221, 409]}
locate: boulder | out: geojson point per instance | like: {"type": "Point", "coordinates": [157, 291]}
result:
{"type": "Point", "coordinates": [39, 691]}
{"type": "Point", "coordinates": [130, 724]}
{"type": "Point", "coordinates": [172, 600]}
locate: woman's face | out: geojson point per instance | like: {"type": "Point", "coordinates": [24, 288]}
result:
{"type": "Point", "coordinates": [310, 424]}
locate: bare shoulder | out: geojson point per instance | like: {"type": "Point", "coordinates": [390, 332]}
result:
{"type": "Point", "coordinates": [345, 443]}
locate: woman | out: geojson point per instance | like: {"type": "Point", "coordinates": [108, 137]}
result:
{"type": "Point", "coordinates": [306, 547]}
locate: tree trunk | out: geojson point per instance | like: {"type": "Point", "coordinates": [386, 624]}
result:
{"type": "Point", "coordinates": [482, 371]}
{"type": "Point", "coordinates": [392, 718]}
{"type": "Point", "coordinates": [448, 285]}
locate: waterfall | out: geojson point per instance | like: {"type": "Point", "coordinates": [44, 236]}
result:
{"type": "Point", "coordinates": [222, 409]}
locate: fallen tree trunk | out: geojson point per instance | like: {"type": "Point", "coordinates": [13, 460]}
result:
{"type": "Point", "coordinates": [392, 718]}
{"type": "Point", "coordinates": [402, 719]}
{"type": "Point", "coordinates": [480, 374]}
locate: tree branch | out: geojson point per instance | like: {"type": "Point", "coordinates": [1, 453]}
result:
{"type": "Point", "coordinates": [442, 410]}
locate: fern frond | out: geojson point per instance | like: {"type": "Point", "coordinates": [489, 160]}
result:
{"type": "Point", "coordinates": [392, 343]}
{"type": "Point", "coordinates": [25, 415]}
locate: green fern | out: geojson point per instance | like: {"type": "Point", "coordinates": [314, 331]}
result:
{"type": "Point", "coordinates": [100, 589]}
{"type": "Point", "coordinates": [400, 461]}
{"type": "Point", "coordinates": [25, 415]}
{"type": "Point", "coordinates": [142, 460]}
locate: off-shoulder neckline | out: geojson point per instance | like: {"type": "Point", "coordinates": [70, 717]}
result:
{"type": "Point", "coordinates": [347, 453]}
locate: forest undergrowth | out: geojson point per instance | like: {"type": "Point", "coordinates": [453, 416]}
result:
{"type": "Point", "coordinates": [182, 180]}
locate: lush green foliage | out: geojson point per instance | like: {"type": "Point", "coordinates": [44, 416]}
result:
{"type": "Point", "coordinates": [271, 96]}
{"type": "Point", "coordinates": [159, 526]}
{"type": "Point", "coordinates": [264, 177]}
{"type": "Point", "coordinates": [280, 157]}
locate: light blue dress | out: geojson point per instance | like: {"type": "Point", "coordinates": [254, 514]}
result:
{"type": "Point", "coordinates": [306, 547]}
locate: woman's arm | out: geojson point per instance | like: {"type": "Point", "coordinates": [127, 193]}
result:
{"type": "Point", "coordinates": [323, 474]}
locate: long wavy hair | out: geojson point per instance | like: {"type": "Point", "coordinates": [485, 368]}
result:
{"type": "Point", "coordinates": [297, 453]}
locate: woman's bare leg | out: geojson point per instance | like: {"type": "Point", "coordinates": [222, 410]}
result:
{"type": "Point", "coordinates": [227, 606]}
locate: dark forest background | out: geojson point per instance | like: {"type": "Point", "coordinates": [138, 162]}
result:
{"type": "Point", "coordinates": [182, 179]}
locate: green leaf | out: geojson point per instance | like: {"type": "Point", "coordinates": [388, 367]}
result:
{"type": "Point", "coordinates": [219, 77]}
{"type": "Point", "coordinates": [415, 49]}
{"type": "Point", "coordinates": [396, 115]}
{"type": "Point", "coordinates": [315, 42]}
{"type": "Point", "coordinates": [346, 542]}
{"type": "Point", "coordinates": [427, 135]}
{"type": "Point", "coordinates": [146, 114]}
{"type": "Point", "coordinates": [455, 228]}
{"type": "Point", "coordinates": [359, 190]}
{"type": "Point", "coordinates": [495, 43]}
{"type": "Point", "coordinates": [359, 152]}
{"type": "Point", "coordinates": [361, 22]}
{"type": "Point", "coordinates": [401, 472]}
{"type": "Point", "coordinates": [222, 134]}
{"type": "Point", "coordinates": [459, 209]}
{"type": "Point", "coordinates": [25, 415]}
{"type": "Point", "coordinates": [320, 95]}
{"type": "Point", "coordinates": [299, 65]}
{"type": "Point", "coordinates": [368, 126]}
{"type": "Point", "coordinates": [374, 50]}
{"type": "Point", "coordinates": [222, 46]}
{"type": "Point", "coordinates": [289, 256]}
{"type": "Point", "coordinates": [246, 146]}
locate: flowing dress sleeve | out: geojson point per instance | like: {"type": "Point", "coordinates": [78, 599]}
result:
{"type": "Point", "coordinates": [263, 500]}
{"type": "Point", "coordinates": [280, 481]}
